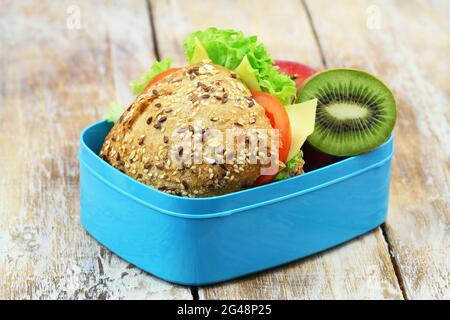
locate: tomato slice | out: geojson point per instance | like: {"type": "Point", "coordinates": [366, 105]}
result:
{"type": "Point", "coordinates": [262, 180]}
{"type": "Point", "coordinates": [161, 76]}
{"type": "Point", "coordinates": [279, 119]}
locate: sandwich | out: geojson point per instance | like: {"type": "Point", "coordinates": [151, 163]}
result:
{"type": "Point", "coordinates": [233, 118]}
{"type": "Point", "coordinates": [226, 121]}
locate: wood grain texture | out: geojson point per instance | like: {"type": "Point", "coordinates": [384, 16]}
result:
{"type": "Point", "coordinates": [359, 269]}
{"type": "Point", "coordinates": [407, 44]}
{"type": "Point", "coordinates": [53, 82]}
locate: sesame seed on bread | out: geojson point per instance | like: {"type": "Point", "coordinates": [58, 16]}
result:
{"type": "Point", "coordinates": [190, 103]}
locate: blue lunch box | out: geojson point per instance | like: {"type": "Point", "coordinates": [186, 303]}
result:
{"type": "Point", "coordinates": [207, 240]}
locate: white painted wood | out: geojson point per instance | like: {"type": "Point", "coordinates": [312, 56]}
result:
{"type": "Point", "coordinates": [408, 47]}
{"type": "Point", "coordinates": [53, 82]}
{"type": "Point", "coordinates": [359, 269]}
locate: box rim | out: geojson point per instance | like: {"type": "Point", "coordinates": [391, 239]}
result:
{"type": "Point", "coordinates": [229, 196]}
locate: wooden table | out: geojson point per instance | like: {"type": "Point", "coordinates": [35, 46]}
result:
{"type": "Point", "coordinates": [58, 74]}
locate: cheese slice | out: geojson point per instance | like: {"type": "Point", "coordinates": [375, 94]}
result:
{"type": "Point", "coordinates": [199, 53]}
{"type": "Point", "coordinates": [302, 117]}
{"type": "Point", "coordinates": [247, 74]}
{"type": "Point", "coordinates": [245, 71]}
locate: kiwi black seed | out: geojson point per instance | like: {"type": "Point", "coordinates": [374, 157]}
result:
{"type": "Point", "coordinates": [356, 112]}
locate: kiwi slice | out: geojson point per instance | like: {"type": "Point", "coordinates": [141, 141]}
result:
{"type": "Point", "coordinates": [355, 113]}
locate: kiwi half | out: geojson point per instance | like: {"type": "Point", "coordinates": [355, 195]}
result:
{"type": "Point", "coordinates": [356, 112]}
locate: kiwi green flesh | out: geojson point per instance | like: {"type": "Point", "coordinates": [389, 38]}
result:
{"type": "Point", "coordinates": [356, 112]}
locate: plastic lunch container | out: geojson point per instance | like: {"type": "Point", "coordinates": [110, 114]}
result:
{"type": "Point", "coordinates": [207, 240]}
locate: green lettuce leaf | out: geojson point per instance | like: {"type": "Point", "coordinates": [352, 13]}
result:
{"type": "Point", "coordinates": [294, 167]}
{"type": "Point", "coordinates": [114, 112]}
{"type": "Point", "coordinates": [158, 67]}
{"type": "Point", "coordinates": [228, 47]}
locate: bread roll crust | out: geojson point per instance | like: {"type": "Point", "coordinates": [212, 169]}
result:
{"type": "Point", "coordinates": [187, 104]}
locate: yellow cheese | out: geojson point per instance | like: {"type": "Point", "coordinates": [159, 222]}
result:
{"type": "Point", "coordinates": [199, 53]}
{"type": "Point", "coordinates": [247, 74]}
{"type": "Point", "coordinates": [302, 117]}
{"type": "Point", "coordinates": [245, 71]}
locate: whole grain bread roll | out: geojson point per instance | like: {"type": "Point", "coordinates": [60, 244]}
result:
{"type": "Point", "coordinates": [193, 104]}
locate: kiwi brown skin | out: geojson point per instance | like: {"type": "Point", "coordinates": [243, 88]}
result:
{"type": "Point", "coordinates": [388, 111]}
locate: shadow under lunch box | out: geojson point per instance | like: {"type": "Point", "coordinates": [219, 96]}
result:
{"type": "Point", "coordinates": [207, 240]}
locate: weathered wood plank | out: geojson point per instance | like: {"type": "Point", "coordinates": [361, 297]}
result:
{"type": "Point", "coordinates": [54, 81]}
{"type": "Point", "coordinates": [407, 44]}
{"type": "Point", "coordinates": [359, 269]}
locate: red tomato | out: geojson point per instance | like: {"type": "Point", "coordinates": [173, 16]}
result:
{"type": "Point", "coordinates": [279, 119]}
{"type": "Point", "coordinates": [298, 71]}
{"type": "Point", "coordinates": [262, 180]}
{"type": "Point", "coordinates": [161, 76]}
